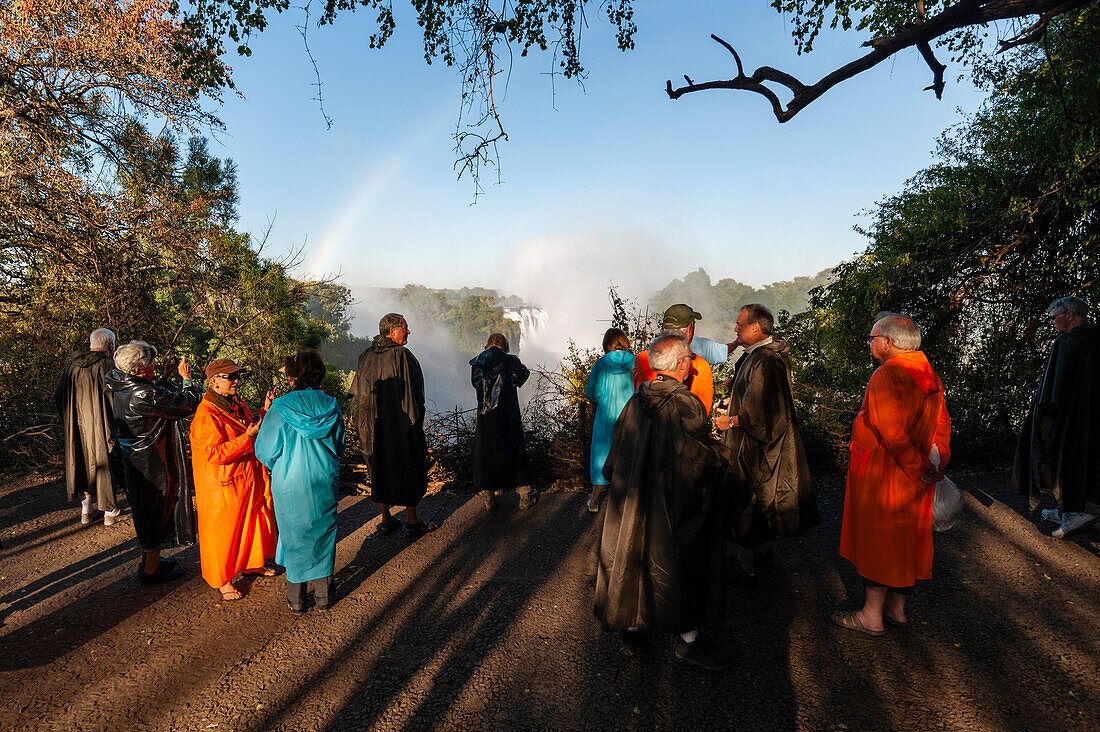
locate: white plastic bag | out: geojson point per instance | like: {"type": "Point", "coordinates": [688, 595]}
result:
{"type": "Point", "coordinates": [947, 501]}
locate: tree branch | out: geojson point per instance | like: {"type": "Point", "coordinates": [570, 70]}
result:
{"type": "Point", "coordinates": [917, 33]}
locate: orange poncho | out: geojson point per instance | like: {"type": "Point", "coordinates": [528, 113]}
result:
{"type": "Point", "coordinates": [887, 527]}
{"type": "Point", "coordinates": [232, 490]}
{"type": "Point", "coordinates": [700, 381]}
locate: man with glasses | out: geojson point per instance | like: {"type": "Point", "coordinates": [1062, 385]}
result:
{"type": "Point", "coordinates": [887, 526]}
{"type": "Point", "coordinates": [663, 550]}
{"type": "Point", "coordinates": [772, 491]}
{"type": "Point", "coordinates": [1059, 448]}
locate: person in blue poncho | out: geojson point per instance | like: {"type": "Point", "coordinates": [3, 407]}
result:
{"type": "Point", "coordinates": [610, 386]}
{"type": "Point", "coordinates": [300, 441]}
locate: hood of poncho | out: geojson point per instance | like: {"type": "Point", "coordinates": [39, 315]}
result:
{"type": "Point", "coordinates": [656, 394]}
{"type": "Point", "coordinates": [383, 343]}
{"type": "Point", "coordinates": [84, 359]}
{"type": "Point", "coordinates": [309, 412]}
{"type": "Point", "coordinates": [619, 362]}
{"type": "Point", "coordinates": [489, 358]}
{"type": "Point", "coordinates": [916, 363]}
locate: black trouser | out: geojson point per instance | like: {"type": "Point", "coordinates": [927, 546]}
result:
{"type": "Point", "coordinates": [896, 590]}
{"type": "Point", "coordinates": [322, 591]}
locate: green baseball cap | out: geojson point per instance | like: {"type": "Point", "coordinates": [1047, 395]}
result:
{"type": "Point", "coordinates": [679, 316]}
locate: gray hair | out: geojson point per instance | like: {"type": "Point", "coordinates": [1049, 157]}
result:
{"type": "Point", "coordinates": [135, 357]}
{"type": "Point", "coordinates": [1074, 305]}
{"type": "Point", "coordinates": [666, 351]}
{"type": "Point", "coordinates": [390, 321]}
{"type": "Point", "coordinates": [902, 331]}
{"type": "Point", "coordinates": [101, 339]}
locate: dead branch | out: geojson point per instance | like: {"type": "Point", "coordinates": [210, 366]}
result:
{"type": "Point", "coordinates": [919, 33]}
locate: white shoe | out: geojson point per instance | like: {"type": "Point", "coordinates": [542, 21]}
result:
{"type": "Point", "coordinates": [110, 517]}
{"type": "Point", "coordinates": [1054, 515]}
{"type": "Point", "coordinates": [1071, 522]}
{"type": "Point", "coordinates": [85, 518]}
{"type": "Point", "coordinates": [86, 510]}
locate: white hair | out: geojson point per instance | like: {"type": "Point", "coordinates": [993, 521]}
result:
{"type": "Point", "coordinates": [135, 357]}
{"type": "Point", "coordinates": [902, 331]}
{"type": "Point", "coordinates": [666, 351]}
{"type": "Point", "coordinates": [101, 339]}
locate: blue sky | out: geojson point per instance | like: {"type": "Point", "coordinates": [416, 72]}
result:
{"type": "Point", "coordinates": [610, 182]}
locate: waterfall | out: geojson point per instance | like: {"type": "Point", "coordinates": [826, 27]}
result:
{"type": "Point", "coordinates": [531, 321]}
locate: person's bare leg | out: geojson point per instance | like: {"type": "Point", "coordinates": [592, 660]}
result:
{"type": "Point", "coordinates": [895, 606]}
{"type": "Point", "coordinates": [871, 614]}
{"type": "Point", "coordinates": [410, 516]}
{"type": "Point", "coordinates": [151, 559]}
{"type": "Point", "coordinates": [229, 591]}
{"type": "Point", "coordinates": [386, 517]}
{"type": "Point", "coordinates": [594, 498]}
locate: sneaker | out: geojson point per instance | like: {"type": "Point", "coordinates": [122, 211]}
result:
{"type": "Point", "coordinates": [699, 654]}
{"type": "Point", "coordinates": [111, 517]}
{"type": "Point", "coordinates": [1053, 515]}
{"type": "Point", "coordinates": [1071, 522]}
{"type": "Point", "coordinates": [85, 518]}
{"type": "Point", "coordinates": [632, 642]}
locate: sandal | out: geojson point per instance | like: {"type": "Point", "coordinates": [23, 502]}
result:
{"type": "Point", "coordinates": [593, 507]}
{"type": "Point", "coordinates": [262, 572]}
{"type": "Point", "coordinates": [385, 527]}
{"type": "Point", "coordinates": [231, 595]}
{"type": "Point", "coordinates": [851, 621]}
{"type": "Point", "coordinates": [417, 530]}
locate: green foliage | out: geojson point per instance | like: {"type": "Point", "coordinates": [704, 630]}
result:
{"type": "Point", "coordinates": [457, 32]}
{"type": "Point", "coordinates": [880, 19]}
{"type": "Point", "coordinates": [719, 303]}
{"type": "Point", "coordinates": [468, 314]}
{"type": "Point", "coordinates": [975, 248]}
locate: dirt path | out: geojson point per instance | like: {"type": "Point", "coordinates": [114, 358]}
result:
{"type": "Point", "coordinates": [487, 624]}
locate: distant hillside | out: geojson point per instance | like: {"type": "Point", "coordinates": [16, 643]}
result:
{"type": "Point", "coordinates": [720, 302]}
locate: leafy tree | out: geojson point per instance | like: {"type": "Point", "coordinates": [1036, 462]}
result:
{"type": "Point", "coordinates": [960, 27]}
{"type": "Point", "coordinates": [975, 248]}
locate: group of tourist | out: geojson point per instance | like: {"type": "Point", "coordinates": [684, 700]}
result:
{"type": "Point", "coordinates": [678, 475]}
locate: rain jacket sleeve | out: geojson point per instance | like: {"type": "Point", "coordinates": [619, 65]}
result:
{"type": "Point", "coordinates": [269, 440]}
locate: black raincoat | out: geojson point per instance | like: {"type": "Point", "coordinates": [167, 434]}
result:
{"type": "Point", "coordinates": [152, 422]}
{"type": "Point", "coordinates": [389, 396]}
{"type": "Point", "coordinates": [769, 474]}
{"type": "Point", "coordinates": [499, 459]}
{"type": "Point", "coordinates": [662, 562]}
{"type": "Point", "coordinates": [1059, 448]}
{"type": "Point", "coordinates": [87, 429]}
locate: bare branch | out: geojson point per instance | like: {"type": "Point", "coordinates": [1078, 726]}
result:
{"type": "Point", "coordinates": [919, 33]}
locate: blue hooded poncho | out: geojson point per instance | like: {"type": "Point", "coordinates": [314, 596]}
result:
{"type": "Point", "coordinates": [300, 441]}
{"type": "Point", "coordinates": [610, 386]}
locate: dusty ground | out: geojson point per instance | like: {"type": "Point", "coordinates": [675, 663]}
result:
{"type": "Point", "coordinates": [488, 624]}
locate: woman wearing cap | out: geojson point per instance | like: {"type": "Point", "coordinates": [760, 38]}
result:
{"type": "Point", "coordinates": [609, 387]}
{"type": "Point", "coordinates": [236, 520]}
{"type": "Point", "coordinates": [301, 440]}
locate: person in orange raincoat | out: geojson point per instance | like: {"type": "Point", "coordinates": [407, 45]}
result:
{"type": "Point", "coordinates": [236, 521]}
{"type": "Point", "coordinates": [700, 381]}
{"type": "Point", "coordinates": [887, 527]}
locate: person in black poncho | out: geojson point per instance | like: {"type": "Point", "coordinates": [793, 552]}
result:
{"type": "Point", "coordinates": [1059, 448]}
{"type": "Point", "coordinates": [155, 454]}
{"type": "Point", "coordinates": [662, 558]}
{"type": "Point", "coordinates": [499, 460]}
{"type": "Point", "coordinates": [87, 428]}
{"type": "Point", "coordinates": [389, 397]}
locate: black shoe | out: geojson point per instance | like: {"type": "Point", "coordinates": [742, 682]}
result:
{"type": "Point", "coordinates": [163, 574]}
{"type": "Point", "coordinates": [296, 609]}
{"type": "Point", "coordinates": [699, 654]}
{"type": "Point", "coordinates": [632, 642]}
{"type": "Point", "coordinates": [166, 562]}
{"type": "Point", "coordinates": [738, 576]}
{"type": "Point", "coordinates": [763, 560]}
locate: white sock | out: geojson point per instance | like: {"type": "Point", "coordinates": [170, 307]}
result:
{"type": "Point", "coordinates": [633, 629]}
{"type": "Point", "coordinates": [86, 504]}
{"type": "Point", "coordinates": [690, 637]}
